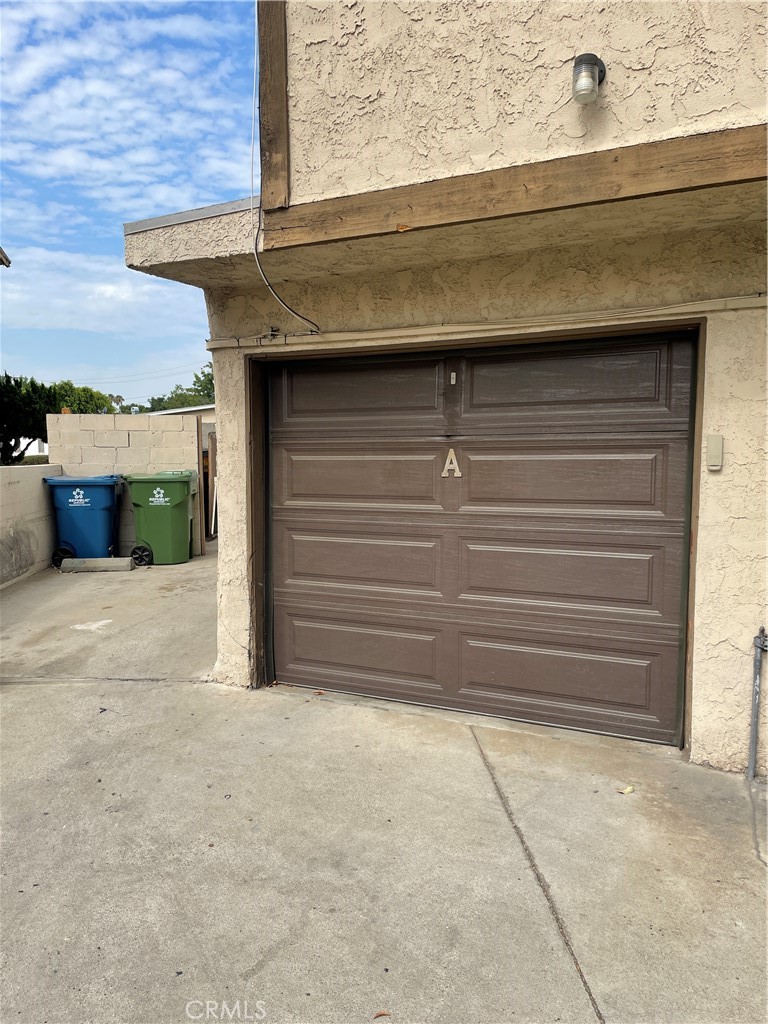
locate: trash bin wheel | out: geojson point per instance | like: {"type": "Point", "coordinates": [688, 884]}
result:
{"type": "Point", "coordinates": [142, 555]}
{"type": "Point", "coordinates": [59, 555]}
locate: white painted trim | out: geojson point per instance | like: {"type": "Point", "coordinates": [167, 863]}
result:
{"type": "Point", "coordinates": [187, 216]}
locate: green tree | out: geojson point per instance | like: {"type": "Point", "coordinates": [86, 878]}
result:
{"type": "Point", "coordinates": [200, 392]}
{"type": "Point", "coordinates": [81, 399]}
{"type": "Point", "coordinates": [204, 386]}
{"type": "Point", "coordinates": [178, 397]}
{"type": "Point", "coordinates": [24, 403]}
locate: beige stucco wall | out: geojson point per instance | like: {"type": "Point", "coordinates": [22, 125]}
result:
{"type": "Point", "coordinates": [234, 633]}
{"type": "Point", "coordinates": [657, 271]}
{"type": "Point", "coordinates": [731, 583]}
{"type": "Point", "coordinates": [92, 445]}
{"type": "Point", "coordinates": [390, 92]}
{"type": "Point", "coordinates": [27, 528]}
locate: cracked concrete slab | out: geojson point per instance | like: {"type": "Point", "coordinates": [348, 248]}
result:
{"type": "Point", "coordinates": [661, 889]}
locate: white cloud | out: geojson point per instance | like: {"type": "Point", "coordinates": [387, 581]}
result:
{"type": "Point", "coordinates": [177, 26]}
{"type": "Point", "coordinates": [113, 111]}
{"type": "Point", "coordinates": [45, 221]}
{"type": "Point", "coordinates": [19, 20]}
{"type": "Point", "coordinates": [118, 100]}
{"type": "Point", "coordinates": [89, 319]}
{"type": "Point", "coordinates": [47, 289]}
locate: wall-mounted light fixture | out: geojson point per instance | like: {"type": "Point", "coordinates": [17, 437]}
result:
{"type": "Point", "coordinates": [588, 74]}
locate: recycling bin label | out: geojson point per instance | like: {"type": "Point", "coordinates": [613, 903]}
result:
{"type": "Point", "coordinates": [78, 498]}
{"type": "Point", "coordinates": [159, 498]}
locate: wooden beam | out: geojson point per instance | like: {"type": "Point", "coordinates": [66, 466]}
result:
{"type": "Point", "coordinates": [273, 103]}
{"type": "Point", "coordinates": [683, 164]}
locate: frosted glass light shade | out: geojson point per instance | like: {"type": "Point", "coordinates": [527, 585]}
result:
{"type": "Point", "coordinates": [588, 73]}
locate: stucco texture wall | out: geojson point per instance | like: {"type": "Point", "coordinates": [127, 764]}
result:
{"type": "Point", "coordinates": [234, 633]}
{"type": "Point", "coordinates": [92, 445]}
{"type": "Point", "coordinates": [658, 271]}
{"type": "Point", "coordinates": [27, 526]}
{"type": "Point", "coordinates": [731, 562]}
{"type": "Point", "coordinates": [391, 92]}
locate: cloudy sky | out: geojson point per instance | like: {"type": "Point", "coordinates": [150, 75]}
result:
{"type": "Point", "coordinates": [113, 111]}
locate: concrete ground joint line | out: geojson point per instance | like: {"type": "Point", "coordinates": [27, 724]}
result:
{"type": "Point", "coordinates": [540, 879]}
{"type": "Point", "coordinates": [92, 680]}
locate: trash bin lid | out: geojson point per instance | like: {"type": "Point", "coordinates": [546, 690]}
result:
{"type": "Point", "coordinates": [82, 481]}
{"type": "Point", "coordinates": [167, 474]}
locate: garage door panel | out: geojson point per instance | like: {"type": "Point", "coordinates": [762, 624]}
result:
{"type": "Point", "coordinates": [557, 669]}
{"type": "Point", "coordinates": [562, 481]}
{"type": "Point", "coordinates": [538, 676]}
{"type": "Point", "coordinates": [570, 679]}
{"type": "Point", "coordinates": [628, 479]}
{"type": "Point", "coordinates": [441, 520]}
{"type": "Point", "coordinates": [362, 560]}
{"type": "Point", "coordinates": [593, 574]}
{"type": "Point", "coordinates": [572, 379]}
{"type": "Point", "coordinates": [387, 395]}
{"type": "Point", "coordinates": [631, 479]}
{"type": "Point", "coordinates": [596, 387]}
{"type": "Point", "coordinates": [401, 654]}
{"type": "Point", "coordinates": [356, 477]}
{"type": "Point", "coordinates": [611, 625]}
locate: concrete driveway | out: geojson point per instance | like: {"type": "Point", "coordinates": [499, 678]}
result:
{"type": "Point", "coordinates": [174, 850]}
{"type": "Point", "coordinates": [153, 623]}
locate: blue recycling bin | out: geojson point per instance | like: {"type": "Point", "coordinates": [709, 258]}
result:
{"type": "Point", "coordinates": [87, 515]}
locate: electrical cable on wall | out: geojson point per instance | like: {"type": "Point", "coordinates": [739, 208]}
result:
{"type": "Point", "coordinates": [256, 230]}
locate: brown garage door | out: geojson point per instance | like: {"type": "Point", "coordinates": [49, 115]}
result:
{"type": "Point", "coordinates": [503, 532]}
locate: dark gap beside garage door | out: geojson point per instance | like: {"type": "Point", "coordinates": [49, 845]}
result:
{"type": "Point", "coordinates": [497, 531]}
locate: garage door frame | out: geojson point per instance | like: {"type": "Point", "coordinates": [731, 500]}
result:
{"type": "Point", "coordinates": [258, 470]}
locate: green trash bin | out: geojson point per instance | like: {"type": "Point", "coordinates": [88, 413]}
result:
{"type": "Point", "coordinates": [162, 509]}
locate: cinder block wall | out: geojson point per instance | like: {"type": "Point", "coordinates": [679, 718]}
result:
{"type": "Point", "coordinates": [90, 445]}
{"type": "Point", "coordinates": [27, 533]}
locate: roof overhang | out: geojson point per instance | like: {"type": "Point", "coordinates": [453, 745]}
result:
{"type": "Point", "coordinates": [676, 185]}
